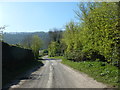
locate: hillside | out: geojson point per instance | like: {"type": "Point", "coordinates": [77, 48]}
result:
{"type": "Point", "coordinates": [17, 37]}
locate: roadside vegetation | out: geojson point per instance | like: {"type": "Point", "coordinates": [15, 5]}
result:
{"type": "Point", "coordinates": [100, 71]}
{"type": "Point", "coordinates": [56, 57]}
{"type": "Point", "coordinates": [92, 44]}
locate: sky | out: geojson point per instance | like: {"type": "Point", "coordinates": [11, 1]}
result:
{"type": "Point", "coordinates": [36, 16]}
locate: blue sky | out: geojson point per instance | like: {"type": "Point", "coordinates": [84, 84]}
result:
{"type": "Point", "coordinates": [36, 16]}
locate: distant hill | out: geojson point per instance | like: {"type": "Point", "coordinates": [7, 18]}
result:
{"type": "Point", "coordinates": [17, 37]}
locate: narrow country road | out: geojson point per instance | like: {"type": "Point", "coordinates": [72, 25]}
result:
{"type": "Point", "coordinates": [56, 75]}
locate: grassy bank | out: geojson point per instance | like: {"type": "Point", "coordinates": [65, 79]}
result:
{"type": "Point", "coordinates": [7, 76]}
{"type": "Point", "coordinates": [100, 71]}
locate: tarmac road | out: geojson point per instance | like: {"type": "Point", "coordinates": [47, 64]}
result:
{"type": "Point", "coordinates": [56, 75]}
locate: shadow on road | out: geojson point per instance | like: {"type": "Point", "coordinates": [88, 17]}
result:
{"type": "Point", "coordinates": [24, 76]}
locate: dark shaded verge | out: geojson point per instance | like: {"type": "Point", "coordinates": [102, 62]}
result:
{"type": "Point", "coordinates": [21, 74]}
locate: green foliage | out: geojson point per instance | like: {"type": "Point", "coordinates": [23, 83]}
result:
{"type": "Point", "coordinates": [75, 55]}
{"type": "Point", "coordinates": [54, 49]}
{"type": "Point", "coordinates": [36, 45]}
{"type": "Point", "coordinates": [94, 42]}
{"type": "Point", "coordinates": [55, 35]}
{"type": "Point", "coordinates": [101, 34]}
{"type": "Point", "coordinates": [56, 57]}
{"type": "Point", "coordinates": [72, 41]}
{"type": "Point", "coordinates": [97, 36]}
{"type": "Point", "coordinates": [56, 46]}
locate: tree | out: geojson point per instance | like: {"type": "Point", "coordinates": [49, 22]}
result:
{"type": "Point", "coordinates": [101, 34]}
{"type": "Point", "coordinates": [27, 42]}
{"type": "Point", "coordinates": [55, 47]}
{"type": "Point", "coordinates": [96, 35]}
{"type": "Point", "coordinates": [1, 32]}
{"type": "Point", "coordinates": [55, 35]}
{"type": "Point", "coordinates": [36, 45]}
{"type": "Point", "coordinates": [71, 38]}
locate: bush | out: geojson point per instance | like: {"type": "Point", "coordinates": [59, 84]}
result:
{"type": "Point", "coordinates": [54, 49]}
{"type": "Point", "coordinates": [93, 55]}
{"type": "Point", "coordinates": [75, 56]}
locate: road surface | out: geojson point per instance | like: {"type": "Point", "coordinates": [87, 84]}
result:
{"type": "Point", "coordinates": [56, 75]}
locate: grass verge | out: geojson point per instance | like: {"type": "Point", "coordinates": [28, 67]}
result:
{"type": "Point", "coordinates": [100, 71]}
{"type": "Point", "coordinates": [8, 76]}
{"type": "Point", "coordinates": [57, 57]}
